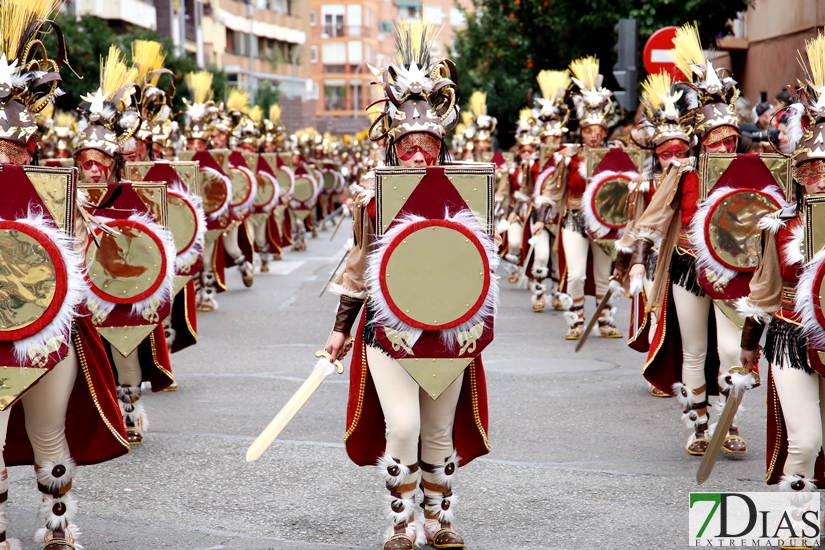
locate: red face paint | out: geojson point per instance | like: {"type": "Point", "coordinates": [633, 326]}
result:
{"type": "Point", "coordinates": [410, 144]}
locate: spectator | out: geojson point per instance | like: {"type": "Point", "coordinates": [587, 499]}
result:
{"type": "Point", "coordinates": [782, 100]}
{"type": "Point", "coordinates": [764, 112]}
{"type": "Point", "coordinates": [743, 111]}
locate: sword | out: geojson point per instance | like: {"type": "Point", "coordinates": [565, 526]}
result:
{"type": "Point", "coordinates": [614, 286]}
{"type": "Point", "coordinates": [338, 225]}
{"type": "Point", "coordinates": [330, 215]}
{"type": "Point", "coordinates": [739, 381]}
{"type": "Point", "coordinates": [335, 271]}
{"type": "Point", "coordinates": [323, 368]}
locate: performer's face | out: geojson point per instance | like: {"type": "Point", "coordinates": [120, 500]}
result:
{"type": "Point", "coordinates": [246, 146]}
{"type": "Point", "coordinates": [196, 144]}
{"type": "Point", "coordinates": [418, 149]}
{"type": "Point", "coordinates": [137, 153]}
{"type": "Point", "coordinates": [593, 136]}
{"type": "Point", "coordinates": [95, 167]}
{"type": "Point", "coordinates": [219, 140]}
{"type": "Point", "coordinates": [713, 143]}
{"type": "Point", "coordinates": [526, 153]}
{"type": "Point", "coordinates": [672, 150]}
{"type": "Point", "coordinates": [12, 153]}
{"type": "Point", "coordinates": [270, 147]}
{"type": "Point", "coordinates": [812, 176]}
{"type": "Point", "coordinates": [553, 141]}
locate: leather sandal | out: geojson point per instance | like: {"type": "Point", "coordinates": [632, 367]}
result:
{"type": "Point", "coordinates": [399, 541]}
{"type": "Point", "coordinates": [575, 332]}
{"type": "Point", "coordinates": [734, 444]}
{"type": "Point", "coordinates": [513, 278]}
{"type": "Point", "coordinates": [699, 443]}
{"type": "Point", "coordinates": [609, 330]}
{"type": "Point", "coordinates": [656, 392]}
{"type": "Point", "coordinates": [538, 305]}
{"type": "Point", "coordinates": [58, 540]}
{"type": "Point", "coordinates": [447, 538]}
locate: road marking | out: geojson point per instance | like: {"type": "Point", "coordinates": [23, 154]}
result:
{"type": "Point", "coordinates": [284, 267]}
{"type": "Point", "coordinates": [288, 303]}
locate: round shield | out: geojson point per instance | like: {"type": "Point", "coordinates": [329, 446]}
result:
{"type": "Point", "coordinates": [284, 183]}
{"type": "Point", "coordinates": [609, 202]}
{"type": "Point", "coordinates": [183, 221]}
{"type": "Point", "coordinates": [304, 189]}
{"type": "Point", "coordinates": [266, 191]}
{"type": "Point", "coordinates": [330, 181]}
{"type": "Point", "coordinates": [215, 191]}
{"type": "Point", "coordinates": [126, 266]}
{"type": "Point", "coordinates": [818, 294]}
{"type": "Point", "coordinates": [241, 187]}
{"type": "Point", "coordinates": [435, 274]}
{"type": "Point", "coordinates": [33, 280]}
{"type": "Point", "coordinates": [731, 227]}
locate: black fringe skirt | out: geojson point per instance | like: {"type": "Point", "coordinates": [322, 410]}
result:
{"type": "Point", "coordinates": [369, 328]}
{"type": "Point", "coordinates": [574, 221]}
{"type": "Point", "coordinates": [683, 272]}
{"type": "Point", "coordinates": [650, 265]}
{"type": "Point", "coordinates": [786, 339]}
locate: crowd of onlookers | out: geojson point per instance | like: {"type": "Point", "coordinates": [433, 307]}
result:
{"type": "Point", "coordinates": [764, 126]}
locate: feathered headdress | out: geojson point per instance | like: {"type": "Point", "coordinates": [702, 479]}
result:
{"type": "Point", "coordinates": [201, 110]}
{"type": "Point", "coordinates": [553, 113]}
{"type": "Point", "coordinates": [806, 123]}
{"type": "Point", "coordinates": [232, 112]}
{"type": "Point", "coordinates": [152, 102]}
{"type": "Point", "coordinates": [421, 92]}
{"type": "Point", "coordinates": [527, 131]}
{"type": "Point", "coordinates": [713, 91]}
{"type": "Point", "coordinates": [29, 79]}
{"type": "Point", "coordinates": [594, 106]}
{"type": "Point", "coordinates": [109, 111]}
{"type": "Point", "coordinates": [249, 128]}
{"type": "Point", "coordinates": [659, 98]}
{"type": "Point", "coordinates": [273, 128]}
{"type": "Point", "coordinates": [483, 124]}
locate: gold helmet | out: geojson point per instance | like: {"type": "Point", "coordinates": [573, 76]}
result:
{"type": "Point", "coordinates": [659, 98]}
{"type": "Point", "coordinates": [594, 106]}
{"type": "Point", "coordinates": [201, 110]}
{"type": "Point", "coordinates": [553, 113]}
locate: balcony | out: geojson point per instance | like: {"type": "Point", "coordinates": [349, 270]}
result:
{"type": "Point", "coordinates": [347, 31]}
{"type": "Point", "coordinates": [137, 12]}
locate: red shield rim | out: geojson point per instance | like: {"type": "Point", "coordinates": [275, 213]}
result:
{"type": "Point", "coordinates": [817, 284]}
{"type": "Point", "coordinates": [252, 184]}
{"type": "Point", "coordinates": [418, 226]}
{"type": "Point", "coordinates": [210, 212]}
{"type": "Point", "coordinates": [194, 215]}
{"type": "Point", "coordinates": [146, 293]}
{"type": "Point", "coordinates": [61, 282]}
{"type": "Point", "coordinates": [708, 220]}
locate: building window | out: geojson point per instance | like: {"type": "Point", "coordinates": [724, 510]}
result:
{"type": "Point", "coordinates": [333, 25]}
{"type": "Point", "coordinates": [409, 10]}
{"type": "Point", "coordinates": [279, 6]}
{"type": "Point", "coordinates": [335, 97]}
{"type": "Point", "coordinates": [335, 69]}
{"type": "Point", "coordinates": [312, 18]}
{"type": "Point", "coordinates": [313, 54]}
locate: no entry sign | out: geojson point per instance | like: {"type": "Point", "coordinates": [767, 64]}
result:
{"type": "Point", "coordinates": [655, 55]}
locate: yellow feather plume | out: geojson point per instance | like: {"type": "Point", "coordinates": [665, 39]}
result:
{"type": "Point", "coordinates": [238, 100]}
{"type": "Point", "coordinates": [147, 57]}
{"type": "Point", "coordinates": [16, 16]}
{"type": "Point", "coordinates": [200, 84]}
{"type": "Point", "coordinates": [274, 112]}
{"type": "Point", "coordinates": [256, 114]}
{"type": "Point", "coordinates": [653, 88]}
{"type": "Point", "coordinates": [64, 119]}
{"type": "Point", "coordinates": [815, 68]}
{"type": "Point", "coordinates": [414, 40]}
{"type": "Point", "coordinates": [525, 114]}
{"type": "Point", "coordinates": [114, 73]}
{"type": "Point", "coordinates": [586, 69]}
{"type": "Point", "coordinates": [687, 49]}
{"type": "Point", "coordinates": [554, 83]}
{"type": "Point", "coordinates": [466, 118]}
{"type": "Point", "coordinates": [478, 103]}
{"type": "Point", "coordinates": [46, 113]}
{"type": "Point", "coordinates": [374, 112]}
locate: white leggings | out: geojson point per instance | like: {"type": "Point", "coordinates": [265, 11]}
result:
{"type": "Point", "coordinates": [260, 235]}
{"type": "Point", "coordinates": [692, 313]}
{"type": "Point", "coordinates": [45, 406]}
{"type": "Point", "coordinates": [409, 412]}
{"type": "Point", "coordinates": [128, 368]}
{"type": "Point", "coordinates": [230, 244]}
{"type": "Point", "coordinates": [515, 233]}
{"type": "Point", "coordinates": [575, 254]}
{"type": "Point", "coordinates": [801, 395]}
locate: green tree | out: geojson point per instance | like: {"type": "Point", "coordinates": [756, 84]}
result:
{"type": "Point", "coordinates": [267, 94]}
{"type": "Point", "coordinates": [507, 42]}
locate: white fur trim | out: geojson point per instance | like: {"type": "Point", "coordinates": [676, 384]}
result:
{"type": "Point", "coordinates": [747, 309]}
{"type": "Point", "coordinates": [771, 223]}
{"type": "Point", "coordinates": [572, 318]}
{"type": "Point", "coordinates": [14, 544]}
{"type": "Point", "coordinates": [186, 258]}
{"type": "Point", "coordinates": [618, 247]}
{"type": "Point", "coordinates": [698, 237]}
{"type": "Point", "coordinates": [786, 481]}
{"type": "Point", "coordinates": [594, 225]}
{"type": "Point", "coordinates": [520, 196]}
{"type": "Point", "coordinates": [440, 476]}
{"type": "Point", "coordinates": [163, 294]}
{"type": "Point", "coordinates": [384, 463]}
{"type": "Point", "coordinates": [404, 515]}
{"type": "Point", "coordinates": [228, 182]}
{"type": "Point", "coordinates": [60, 326]}
{"type": "Point", "coordinates": [643, 186]}
{"type": "Point", "coordinates": [792, 251]}
{"type": "Point", "coordinates": [339, 290]}
{"type": "Point", "coordinates": [283, 198]}
{"type": "Point", "coordinates": [583, 170]}
{"type": "Point", "coordinates": [648, 233]}
{"type": "Point", "coordinates": [565, 300]}
{"type": "Point", "coordinates": [684, 399]}
{"type": "Point", "coordinates": [804, 303]}
{"type": "Point", "coordinates": [540, 272]}
{"type": "Point", "coordinates": [275, 196]}
{"type": "Point", "coordinates": [542, 177]}
{"type": "Point", "coordinates": [54, 521]}
{"type": "Point", "coordinates": [45, 477]}
{"type": "Point", "coordinates": [383, 313]}
{"type": "Point", "coordinates": [512, 258]}
{"type": "Point", "coordinates": [544, 201]}
{"type": "Point", "coordinates": [433, 506]}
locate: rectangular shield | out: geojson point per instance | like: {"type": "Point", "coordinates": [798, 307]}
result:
{"type": "Point", "coordinates": [712, 166]}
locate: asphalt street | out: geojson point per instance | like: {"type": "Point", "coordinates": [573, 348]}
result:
{"type": "Point", "coordinates": [582, 455]}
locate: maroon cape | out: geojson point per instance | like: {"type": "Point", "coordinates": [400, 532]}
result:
{"type": "Point", "coordinates": [185, 318]}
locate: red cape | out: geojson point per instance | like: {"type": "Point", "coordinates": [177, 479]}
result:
{"type": "Point", "coordinates": [185, 318]}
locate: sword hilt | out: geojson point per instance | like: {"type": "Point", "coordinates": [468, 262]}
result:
{"type": "Point", "coordinates": [337, 362]}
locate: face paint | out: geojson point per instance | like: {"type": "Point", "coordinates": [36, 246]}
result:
{"type": "Point", "coordinates": [427, 144]}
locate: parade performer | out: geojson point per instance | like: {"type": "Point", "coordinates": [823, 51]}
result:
{"type": "Point", "coordinates": [553, 116]}
{"type": "Point", "coordinates": [273, 150]}
{"type": "Point", "coordinates": [111, 121]}
{"type": "Point", "coordinates": [57, 404]}
{"type": "Point", "coordinates": [388, 412]}
{"type": "Point", "coordinates": [564, 192]}
{"type": "Point", "coordinates": [784, 297]}
{"type": "Point", "coordinates": [483, 127]}
{"type": "Point", "coordinates": [687, 279]}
